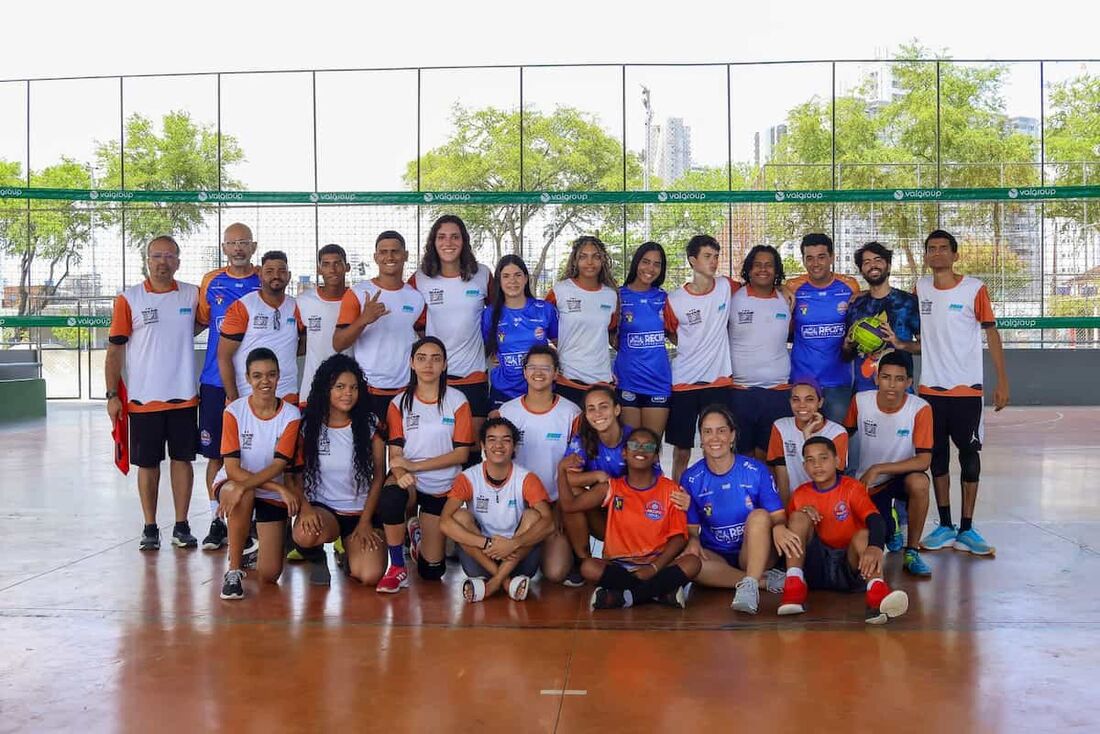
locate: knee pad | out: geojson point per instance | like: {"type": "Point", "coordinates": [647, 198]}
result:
{"type": "Point", "coordinates": [392, 504]}
{"type": "Point", "coordinates": [970, 462]}
{"type": "Point", "coordinates": [430, 571]}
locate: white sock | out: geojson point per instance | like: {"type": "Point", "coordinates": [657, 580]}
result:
{"type": "Point", "coordinates": [214, 508]}
{"type": "Point", "coordinates": [872, 582]}
{"type": "Point", "coordinates": [796, 572]}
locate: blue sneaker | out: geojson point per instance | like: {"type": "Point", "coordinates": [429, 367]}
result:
{"type": "Point", "coordinates": [972, 542]}
{"type": "Point", "coordinates": [895, 542]}
{"type": "Point", "coordinates": [915, 565]}
{"type": "Point", "coordinates": [942, 537]}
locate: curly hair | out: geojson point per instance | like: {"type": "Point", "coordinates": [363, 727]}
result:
{"type": "Point", "coordinates": [746, 266]}
{"type": "Point", "coordinates": [572, 270]}
{"type": "Point", "coordinates": [315, 427]}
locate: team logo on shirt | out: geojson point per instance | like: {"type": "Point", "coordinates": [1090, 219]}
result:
{"type": "Point", "coordinates": [412, 421]}
{"type": "Point", "coordinates": [708, 509]}
{"type": "Point", "coordinates": [481, 504]}
{"type": "Point", "coordinates": [572, 305]}
{"type": "Point", "coordinates": [149, 316]}
{"type": "Point", "coordinates": [955, 307]}
{"type": "Point", "coordinates": [653, 510]}
{"type": "Point", "coordinates": [473, 293]}
{"type": "Point", "coordinates": [842, 307]}
{"type": "Point", "coordinates": [646, 340]}
{"type": "Point", "coordinates": [925, 307]}
{"type": "Point", "coordinates": [184, 310]}
{"type": "Point", "coordinates": [219, 299]}
{"type": "Point", "coordinates": [694, 316]}
{"type": "Point", "coordinates": [790, 448]}
{"type": "Point", "coordinates": [748, 503]}
{"type": "Point", "coordinates": [870, 428]}
{"type": "Point", "coordinates": [628, 316]}
{"type": "Point", "coordinates": [204, 437]}
{"type": "Point", "coordinates": [500, 337]}
{"type": "Point", "coordinates": [744, 317]}
{"type": "Point", "coordinates": [840, 511]}
{"type": "Point", "coordinates": [903, 433]}
{"type": "Point", "coordinates": [553, 436]}
{"type": "Point", "coordinates": [407, 308]}
{"type": "Point", "coordinates": [605, 306]}
{"type": "Point", "coordinates": [314, 323]}
{"type": "Point", "coordinates": [512, 503]}
{"type": "Point", "coordinates": [435, 297]}
{"type": "Point", "coordinates": [259, 321]}
{"type": "Point", "coordinates": [246, 440]}
{"type": "Point", "coordinates": [540, 333]}
{"type": "Point", "coordinates": [324, 446]}
{"type": "Point", "coordinates": [617, 504]}
{"type": "Point", "coordinates": [448, 421]}
{"type": "Point", "coordinates": [803, 308]}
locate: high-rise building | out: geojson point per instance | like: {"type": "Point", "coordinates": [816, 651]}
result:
{"type": "Point", "coordinates": [674, 159]}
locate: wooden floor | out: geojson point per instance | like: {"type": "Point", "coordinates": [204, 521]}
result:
{"type": "Point", "coordinates": [99, 637]}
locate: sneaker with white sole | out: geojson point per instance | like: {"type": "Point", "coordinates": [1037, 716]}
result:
{"type": "Point", "coordinates": [943, 536]}
{"type": "Point", "coordinates": [232, 588]}
{"type": "Point", "coordinates": [746, 598]}
{"type": "Point", "coordinates": [396, 579]}
{"type": "Point", "coordinates": [971, 541]}
{"type": "Point", "coordinates": [217, 536]}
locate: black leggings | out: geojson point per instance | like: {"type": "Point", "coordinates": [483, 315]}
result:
{"type": "Point", "coordinates": [666, 580]}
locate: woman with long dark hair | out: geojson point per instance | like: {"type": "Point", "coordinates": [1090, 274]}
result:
{"type": "Point", "coordinates": [342, 456]}
{"type": "Point", "coordinates": [430, 431]}
{"type": "Point", "coordinates": [587, 306]}
{"type": "Point", "coordinates": [456, 288]}
{"type": "Point", "coordinates": [643, 373]}
{"type": "Point", "coordinates": [515, 322]}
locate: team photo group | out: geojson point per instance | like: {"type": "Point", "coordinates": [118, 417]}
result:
{"type": "Point", "coordinates": [455, 416]}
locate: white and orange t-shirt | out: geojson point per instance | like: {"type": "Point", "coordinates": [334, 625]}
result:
{"type": "Point", "coordinates": [700, 322]}
{"type": "Point", "coordinates": [885, 437]}
{"type": "Point", "coordinates": [758, 331]}
{"type": "Point", "coordinates": [318, 315]}
{"type": "Point", "coordinates": [498, 509]}
{"type": "Point", "coordinates": [951, 323]}
{"type": "Point", "coordinates": [335, 487]}
{"type": "Point", "coordinates": [428, 430]}
{"type": "Point", "coordinates": [543, 437]}
{"type": "Point", "coordinates": [454, 309]}
{"type": "Point", "coordinates": [585, 317]}
{"type": "Point", "coordinates": [384, 347]}
{"type": "Point", "coordinates": [158, 329]}
{"type": "Point", "coordinates": [256, 442]}
{"type": "Point", "coordinates": [254, 322]}
{"type": "Point", "coordinates": [785, 447]}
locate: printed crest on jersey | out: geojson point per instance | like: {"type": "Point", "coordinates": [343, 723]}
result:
{"type": "Point", "coordinates": [204, 437]}
{"type": "Point", "coordinates": [840, 510]}
{"type": "Point", "coordinates": [184, 310]}
{"type": "Point", "coordinates": [803, 307]}
{"type": "Point", "coordinates": [473, 293]}
{"type": "Point", "coordinates": [628, 316]}
{"type": "Point", "coordinates": [955, 307]}
{"type": "Point", "coordinates": [617, 504]}
{"type": "Point", "coordinates": [708, 509]}
{"type": "Point", "coordinates": [748, 503]}
{"type": "Point", "coordinates": [246, 440]}
{"type": "Point", "coordinates": [744, 317]}
{"type": "Point", "coordinates": [259, 321]}
{"type": "Point", "coordinates": [870, 428]}
{"type": "Point", "coordinates": [653, 510]}
{"type": "Point", "coordinates": [694, 316]}
{"type": "Point", "coordinates": [406, 308]}
{"type": "Point", "coordinates": [219, 299]}
{"type": "Point", "coordinates": [903, 433]}
{"type": "Point", "coordinates": [540, 333]}
{"type": "Point", "coordinates": [925, 307]}
{"type": "Point", "coordinates": [314, 323]}
{"type": "Point", "coordinates": [842, 307]}
{"type": "Point", "coordinates": [435, 297]}
{"type": "Point", "coordinates": [481, 504]}
{"type": "Point", "coordinates": [448, 421]}
{"type": "Point", "coordinates": [412, 421]}
{"type": "Point", "coordinates": [500, 337]}
{"type": "Point", "coordinates": [324, 445]}
{"type": "Point", "coordinates": [789, 448]}
{"type": "Point", "coordinates": [572, 305]}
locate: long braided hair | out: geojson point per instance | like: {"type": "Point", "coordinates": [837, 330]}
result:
{"type": "Point", "coordinates": [315, 423]}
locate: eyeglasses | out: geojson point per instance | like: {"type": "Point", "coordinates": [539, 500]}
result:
{"type": "Point", "coordinates": [648, 447]}
{"type": "Point", "coordinates": [242, 243]}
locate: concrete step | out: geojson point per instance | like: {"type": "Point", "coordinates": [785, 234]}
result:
{"type": "Point", "coordinates": [18, 371]}
{"type": "Point", "coordinates": [18, 356]}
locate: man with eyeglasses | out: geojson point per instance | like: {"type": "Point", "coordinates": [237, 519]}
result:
{"type": "Point", "coordinates": [264, 318]}
{"type": "Point", "coordinates": [152, 333]}
{"type": "Point", "coordinates": [220, 289]}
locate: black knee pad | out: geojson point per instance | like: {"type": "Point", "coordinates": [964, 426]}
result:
{"type": "Point", "coordinates": [970, 463]}
{"type": "Point", "coordinates": [392, 504]}
{"type": "Point", "coordinates": [430, 571]}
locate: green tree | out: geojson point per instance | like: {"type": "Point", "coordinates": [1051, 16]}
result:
{"type": "Point", "coordinates": [180, 155]}
{"type": "Point", "coordinates": [566, 150]}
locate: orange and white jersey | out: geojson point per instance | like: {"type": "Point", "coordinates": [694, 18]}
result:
{"type": "Point", "coordinates": [384, 348]}
{"type": "Point", "coordinates": [951, 323]}
{"type": "Point", "coordinates": [885, 437]}
{"type": "Point", "coordinates": [429, 430]}
{"type": "Point", "coordinates": [158, 329]}
{"type": "Point", "coordinates": [254, 322]}
{"type": "Point", "coordinates": [335, 486]}
{"type": "Point", "coordinates": [543, 437]}
{"type": "Point", "coordinates": [454, 309]}
{"type": "Point", "coordinates": [318, 316]}
{"type": "Point", "coordinates": [700, 323]}
{"type": "Point", "coordinates": [758, 331]}
{"type": "Point", "coordinates": [498, 510]}
{"type": "Point", "coordinates": [257, 442]}
{"type": "Point", "coordinates": [785, 447]}
{"type": "Point", "coordinates": [584, 319]}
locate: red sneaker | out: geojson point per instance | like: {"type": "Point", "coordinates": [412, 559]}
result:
{"type": "Point", "coordinates": [396, 579]}
{"type": "Point", "coordinates": [794, 596]}
{"type": "Point", "coordinates": [884, 604]}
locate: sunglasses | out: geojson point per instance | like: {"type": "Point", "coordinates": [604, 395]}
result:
{"type": "Point", "coordinates": [648, 447]}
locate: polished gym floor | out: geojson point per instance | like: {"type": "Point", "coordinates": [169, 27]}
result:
{"type": "Point", "coordinates": [100, 637]}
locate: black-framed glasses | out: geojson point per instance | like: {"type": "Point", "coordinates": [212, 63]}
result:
{"type": "Point", "coordinates": [646, 447]}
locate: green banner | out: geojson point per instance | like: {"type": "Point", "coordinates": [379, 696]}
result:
{"type": "Point", "coordinates": [458, 198]}
{"type": "Point", "coordinates": [1014, 322]}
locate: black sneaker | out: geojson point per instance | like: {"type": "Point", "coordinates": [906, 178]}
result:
{"type": "Point", "coordinates": [232, 588]}
{"type": "Point", "coordinates": [319, 574]}
{"type": "Point", "coordinates": [182, 537]}
{"type": "Point", "coordinates": [217, 537]}
{"type": "Point", "coordinates": [150, 538]}
{"type": "Point", "coordinates": [574, 579]}
{"type": "Point", "coordinates": [251, 552]}
{"type": "Point", "coordinates": [608, 599]}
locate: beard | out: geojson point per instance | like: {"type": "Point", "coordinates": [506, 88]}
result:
{"type": "Point", "coordinates": [879, 279]}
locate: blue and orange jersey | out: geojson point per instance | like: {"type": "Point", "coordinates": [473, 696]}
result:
{"type": "Point", "coordinates": [640, 522]}
{"type": "Point", "coordinates": [608, 459]}
{"type": "Point", "coordinates": [518, 330]}
{"type": "Point", "coordinates": [641, 362]}
{"type": "Point", "coordinates": [844, 509]}
{"type": "Point", "coordinates": [219, 290]}
{"type": "Point", "coordinates": [902, 314]}
{"type": "Point", "coordinates": [721, 503]}
{"type": "Point", "coordinates": [819, 328]}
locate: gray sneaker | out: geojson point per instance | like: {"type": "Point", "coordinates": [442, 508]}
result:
{"type": "Point", "coordinates": [747, 597]}
{"type": "Point", "coordinates": [775, 580]}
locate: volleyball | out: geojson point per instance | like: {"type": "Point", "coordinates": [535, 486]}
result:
{"type": "Point", "coordinates": [867, 334]}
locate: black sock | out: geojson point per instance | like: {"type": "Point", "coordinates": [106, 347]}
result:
{"type": "Point", "coordinates": [664, 581]}
{"type": "Point", "coordinates": [151, 527]}
{"type": "Point", "coordinates": [965, 524]}
{"type": "Point", "coordinates": [186, 526]}
{"type": "Point", "coordinates": [945, 515]}
{"type": "Point", "coordinates": [616, 577]}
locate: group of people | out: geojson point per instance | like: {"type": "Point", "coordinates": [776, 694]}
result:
{"type": "Point", "coordinates": [457, 406]}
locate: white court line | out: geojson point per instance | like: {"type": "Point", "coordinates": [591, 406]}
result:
{"type": "Point", "coordinates": [561, 692]}
{"type": "Point", "coordinates": [1058, 416]}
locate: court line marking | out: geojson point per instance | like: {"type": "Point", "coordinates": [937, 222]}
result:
{"type": "Point", "coordinates": [562, 692]}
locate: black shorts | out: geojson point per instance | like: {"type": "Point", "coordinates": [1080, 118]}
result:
{"type": "Point", "coordinates": [893, 489]}
{"type": "Point", "coordinates": [574, 395]}
{"type": "Point", "coordinates": [149, 432]}
{"type": "Point", "coordinates": [686, 405]}
{"type": "Point", "coordinates": [756, 410]}
{"type": "Point", "coordinates": [430, 504]}
{"type": "Point", "coordinates": [496, 399]}
{"type": "Point", "coordinates": [380, 406]}
{"type": "Point", "coordinates": [629, 399]}
{"type": "Point", "coordinates": [477, 395]}
{"type": "Point", "coordinates": [266, 511]}
{"type": "Point", "coordinates": [827, 569]}
{"type": "Point", "coordinates": [955, 420]}
{"type": "Point", "coordinates": [211, 408]}
{"type": "Point", "coordinates": [528, 565]}
{"type": "Point", "coordinates": [346, 521]}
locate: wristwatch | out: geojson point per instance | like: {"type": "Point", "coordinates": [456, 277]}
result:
{"type": "Point", "coordinates": [112, 394]}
